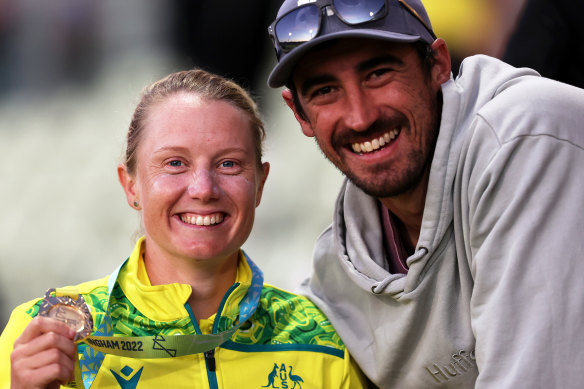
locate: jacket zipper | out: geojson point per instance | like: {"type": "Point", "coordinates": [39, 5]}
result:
{"type": "Point", "coordinates": [210, 359]}
{"type": "Point", "coordinates": [210, 355]}
{"type": "Point", "coordinates": [211, 369]}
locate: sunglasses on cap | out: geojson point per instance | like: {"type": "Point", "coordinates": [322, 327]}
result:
{"type": "Point", "coordinates": [302, 24]}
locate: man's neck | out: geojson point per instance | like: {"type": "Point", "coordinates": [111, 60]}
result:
{"type": "Point", "coordinates": [408, 208]}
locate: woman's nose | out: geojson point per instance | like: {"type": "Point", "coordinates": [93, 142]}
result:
{"type": "Point", "coordinates": [203, 185]}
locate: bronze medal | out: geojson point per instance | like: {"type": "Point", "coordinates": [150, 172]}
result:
{"type": "Point", "coordinates": [74, 313]}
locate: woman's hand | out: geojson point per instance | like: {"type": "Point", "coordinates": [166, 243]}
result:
{"type": "Point", "coordinates": [44, 355]}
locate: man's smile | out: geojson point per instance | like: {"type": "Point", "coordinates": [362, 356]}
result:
{"type": "Point", "coordinates": [375, 143]}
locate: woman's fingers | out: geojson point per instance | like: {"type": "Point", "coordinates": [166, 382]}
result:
{"type": "Point", "coordinates": [42, 369]}
{"type": "Point", "coordinates": [42, 325]}
{"type": "Point", "coordinates": [44, 354]}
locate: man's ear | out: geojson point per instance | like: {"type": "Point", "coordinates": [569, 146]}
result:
{"type": "Point", "coordinates": [128, 183]}
{"type": "Point", "coordinates": [442, 65]}
{"type": "Point", "coordinates": [304, 124]}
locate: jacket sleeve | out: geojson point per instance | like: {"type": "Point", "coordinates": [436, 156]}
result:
{"type": "Point", "coordinates": [525, 239]}
{"type": "Point", "coordinates": [18, 321]}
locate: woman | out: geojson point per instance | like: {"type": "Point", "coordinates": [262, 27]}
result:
{"type": "Point", "coordinates": [194, 170]}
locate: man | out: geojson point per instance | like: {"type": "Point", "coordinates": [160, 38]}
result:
{"type": "Point", "coordinates": [454, 259]}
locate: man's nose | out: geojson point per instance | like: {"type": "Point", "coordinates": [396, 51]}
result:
{"type": "Point", "coordinates": [360, 113]}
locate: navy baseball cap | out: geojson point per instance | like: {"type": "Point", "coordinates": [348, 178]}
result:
{"type": "Point", "coordinates": [303, 24]}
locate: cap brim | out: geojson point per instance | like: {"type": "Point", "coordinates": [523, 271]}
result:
{"type": "Point", "coordinates": [282, 71]}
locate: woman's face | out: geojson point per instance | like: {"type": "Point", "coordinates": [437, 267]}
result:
{"type": "Point", "coordinates": [197, 179]}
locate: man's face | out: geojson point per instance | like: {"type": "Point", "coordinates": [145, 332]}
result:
{"type": "Point", "coordinates": [373, 111]}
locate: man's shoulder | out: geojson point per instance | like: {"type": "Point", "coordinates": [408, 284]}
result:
{"type": "Point", "coordinates": [515, 102]}
{"type": "Point", "coordinates": [487, 83]}
{"type": "Point", "coordinates": [539, 94]}
{"type": "Point", "coordinates": [536, 106]}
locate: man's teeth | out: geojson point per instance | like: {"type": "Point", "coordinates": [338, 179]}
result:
{"type": "Point", "coordinates": [200, 220]}
{"type": "Point", "coordinates": [376, 143]}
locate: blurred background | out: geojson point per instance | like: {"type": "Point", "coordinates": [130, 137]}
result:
{"type": "Point", "coordinates": [70, 76]}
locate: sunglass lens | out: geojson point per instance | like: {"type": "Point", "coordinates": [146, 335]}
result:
{"type": "Point", "coordinates": [359, 11]}
{"type": "Point", "coordinates": [299, 26]}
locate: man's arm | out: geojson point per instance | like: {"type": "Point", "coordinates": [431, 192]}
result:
{"type": "Point", "coordinates": [526, 239]}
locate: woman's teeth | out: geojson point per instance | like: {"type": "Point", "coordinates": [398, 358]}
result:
{"type": "Point", "coordinates": [200, 220]}
{"type": "Point", "coordinates": [375, 144]}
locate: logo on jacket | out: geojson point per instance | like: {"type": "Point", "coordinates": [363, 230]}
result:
{"type": "Point", "coordinates": [284, 377]}
{"type": "Point", "coordinates": [128, 380]}
{"type": "Point", "coordinates": [460, 363]}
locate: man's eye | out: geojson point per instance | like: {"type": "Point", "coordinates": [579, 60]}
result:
{"type": "Point", "coordinates": [379, 72]}
{"type": "Point", "coordinates": [227, 164]}
{"type": "Point", "coordinates": [323, 91]}
{"type": "Point", "coordinates": [321, 94]}
{"type": "Point", "coordinates": [175, 163]}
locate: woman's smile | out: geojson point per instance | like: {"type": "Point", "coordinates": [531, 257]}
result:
{"type": "Point", "coordinates": [198, 179]}
{"type": "Point", "coordinates": [202, 220]}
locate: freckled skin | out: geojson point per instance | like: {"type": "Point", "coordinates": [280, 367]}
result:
{"type": "Point", "coordinates": [196, 157]}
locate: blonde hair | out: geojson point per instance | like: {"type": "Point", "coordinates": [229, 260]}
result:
{"type": "Point", "coordinates": [204, 84]}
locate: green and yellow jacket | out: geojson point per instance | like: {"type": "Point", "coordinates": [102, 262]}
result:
{"type": "Point", "coordinates": [287, 342]}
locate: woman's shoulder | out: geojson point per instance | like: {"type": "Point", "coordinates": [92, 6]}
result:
{"type": "Point", "coordinates": [93, 292]}
{"type": "Point", "coordinates": [275, 298]}
{"type": "Point", "coordinates": [288, 318]}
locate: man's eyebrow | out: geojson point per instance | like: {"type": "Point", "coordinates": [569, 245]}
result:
{"type": "Point", "coordinates": [377, 61]}
{"type": "Point", "coordinates": [316, 80]}
{"type": "Point", "coordinates": [361, 67]}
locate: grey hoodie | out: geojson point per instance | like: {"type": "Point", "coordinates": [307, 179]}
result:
{"type": "Point", "coordinates": [494, 296]}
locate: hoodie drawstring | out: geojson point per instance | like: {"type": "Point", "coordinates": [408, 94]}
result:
{"type": "Point", "coordinates": [381, 285]}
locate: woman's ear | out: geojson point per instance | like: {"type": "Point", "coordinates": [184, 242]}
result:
{"type": "Point", "coordinates": [128, 183]}
{"type": "Point", "coordinates": [262, 181]}
{"type": "Point", "coordinates": [304, 124]}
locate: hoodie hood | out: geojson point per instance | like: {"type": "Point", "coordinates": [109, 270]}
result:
{"type": "Point", "coordinates": [357, 227]}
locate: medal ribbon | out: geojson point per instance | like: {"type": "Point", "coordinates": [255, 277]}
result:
{"type": "Point", "coordinates": [159, 346]}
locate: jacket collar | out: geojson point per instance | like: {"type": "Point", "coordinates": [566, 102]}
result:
{"type": "Point", "coordinates": [167, 302]}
